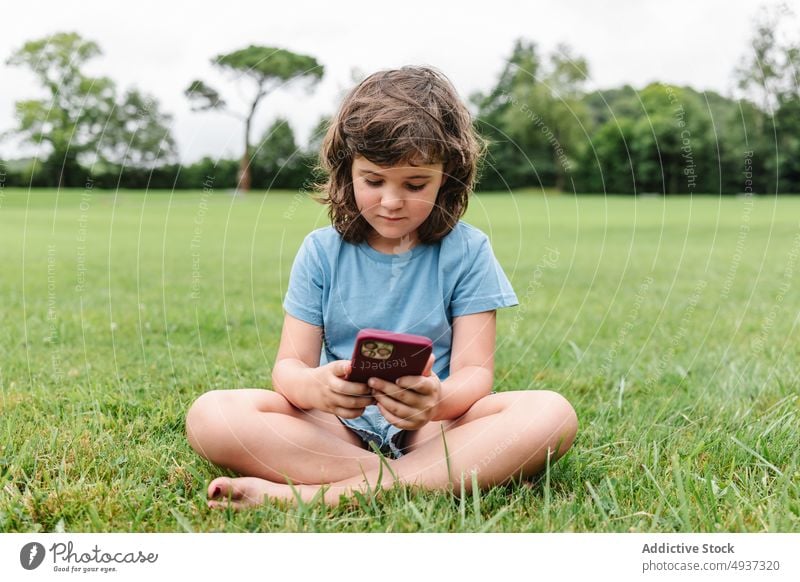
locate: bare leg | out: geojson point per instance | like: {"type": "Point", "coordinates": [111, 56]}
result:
{"type": "Point", "coordinates": [502, 436]}
{"type": "Point", "coordinates": [260, 434]}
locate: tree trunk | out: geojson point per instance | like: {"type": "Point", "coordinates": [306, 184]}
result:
{"type": "Point", "coordinates": [244, 167]}
{"type": "Point", "coordinates": [243, 183]}
{"type": "Point", "coordinates": [560, 181]}
{"type": "Point", "coordinates": [560, 178]}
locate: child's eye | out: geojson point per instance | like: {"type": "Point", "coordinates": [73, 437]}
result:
{"type": "Point", "coordinates": [374, 184]}
{"type": "Point", "coordinates": [415, 188]}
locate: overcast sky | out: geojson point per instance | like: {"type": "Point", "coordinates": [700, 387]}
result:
{"type": "Point", "coordinates": [160, 46]}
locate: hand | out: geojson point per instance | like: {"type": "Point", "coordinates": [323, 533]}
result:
{"type": "Point", "coordinates": [338, 396]}
{"type": "Point", "coordinates": [409, 403]}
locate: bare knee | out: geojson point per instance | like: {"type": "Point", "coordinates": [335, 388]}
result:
{"type": "Point", "coordinates": [549, 420]}
{"type": "Point", "coordinates": [212, 419]}
{"type": "Point", "coordinates": [203, 420]}
{"type": "Point", "coordinates": [564, 421]}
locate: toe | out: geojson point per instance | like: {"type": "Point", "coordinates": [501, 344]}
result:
{"type": "Point", "coordinates": [220, 488]}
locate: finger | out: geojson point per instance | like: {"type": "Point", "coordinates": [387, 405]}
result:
{"type": "Point", "coordinates": [382, 385]}
{"type": "Point", "coordinates": [348, 412]}
{"type": "Point", "coordinates": [417, 384]}
{"type": "Point", "coordinates": [429, 366]}
{"type": "Point", "coordinates": [377, 383]}
{"type": "Point", "coordinates": [398, 408]}
{"type": "Point", "coordinates": [341, 368]}
{"type": "Point", "coordinates": [351, 388]}
{"type": "Point", "coordinates": [396, 420]}
{"type": "Point", "coordinates": [353, 401]}
{"type": "Point", "coordinates": [408, 397]}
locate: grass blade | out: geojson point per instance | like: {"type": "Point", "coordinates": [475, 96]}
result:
{"type": "Point", "coordinates": [757, 456]}
{"type": "Point", "coordinates": [547, 492]}
{"type": "Point", "coordinates": [495, 518]}
{"type": "Point", "coordinates": [181, 519]}
{"type": "Point", "coordinates": [596, 499]}
{"type": "Point", "coordinates": [476, 499]}
{"type": "Point", "coordinates": [462, 505]}
{"type": "Point", "coordinates": [677, 475]}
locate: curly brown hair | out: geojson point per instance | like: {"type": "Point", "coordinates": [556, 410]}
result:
{"type": "Point", "coordinates": [411, 116]}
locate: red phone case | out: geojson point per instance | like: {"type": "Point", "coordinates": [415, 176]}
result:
{"type": "Point", "coordinates": [388, 355]}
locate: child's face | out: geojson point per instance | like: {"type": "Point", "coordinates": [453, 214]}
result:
{"type": "Point", "coordinates": [395, 201]}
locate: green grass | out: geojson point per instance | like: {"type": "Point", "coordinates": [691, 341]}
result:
{"type": "Point", "coordinates": [670, 324]}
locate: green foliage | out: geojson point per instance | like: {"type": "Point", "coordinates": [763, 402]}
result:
{"type": "Point", "coordinates": [769, 74]}
{"type": "Point", "coordinates": [221, 173]}
{"type": "Point", "coordinates": [269, 68]}
{"type": "Point", "coordinates": [82, 122]}
{"type": "Point", "coordinates": [203, 97]}
{"type": "Point", "coordinates": [545, 130]}
{"type": "Point", "coordinates": [278, 162]}
{"type": "Point", "coordinates": [317, 136]}
{"type": "Point", "coordinates": [609, 165]}
{"type": "Point", "coordinates": [508, 162]}
{"type": "Point", "coordinates": [139, 136]}
{"type": "Point", "coordinates": [673, 140]}
{"type": "Point", "coordinates": [534, 119]}
{"type": "Point", "coordinates": [270, 65]}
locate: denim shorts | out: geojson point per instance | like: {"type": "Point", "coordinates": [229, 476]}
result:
{"type": "Point", "coordinates": [373, 427]}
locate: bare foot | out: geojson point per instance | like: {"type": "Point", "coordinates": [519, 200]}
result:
{"type": "Point", "coordinates": [245, 492]}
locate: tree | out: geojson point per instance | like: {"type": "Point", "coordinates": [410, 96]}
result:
{"type": "Point", "coordinates": [268, 68]}
{"type": "Point", "coordinates": [560, 114]}
{"type": "Point", "coordinates": [278, 162]}
{"type": "Point", "coordinates": [317, 136]}
{"type": "Point", "coordinates": [508, 162]}
{"type": "Point", "coordinates": [673, 143]}
{"type": "Point", "coordinates": [81, 121]}
{"type": "Point", "coordinates": [139, 135]}
{"type": "Point", "coordinates": [770, 75]}
{"type": "Point", "coordinates": [609, 166]}
{"type": "Point", "coordinates": [534, 116]}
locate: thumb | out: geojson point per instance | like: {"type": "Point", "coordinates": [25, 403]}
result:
{"type": "Point", "coordinates": [429, 366]}
{"type": "Point", "coordinates": [341, 368]}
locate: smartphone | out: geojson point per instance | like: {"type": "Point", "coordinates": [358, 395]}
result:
{"type": "Point", "coordinates": [388, 355]}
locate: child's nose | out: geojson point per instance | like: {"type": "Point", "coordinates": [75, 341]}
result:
{"type": "Point", "coordinates": [391, 201]}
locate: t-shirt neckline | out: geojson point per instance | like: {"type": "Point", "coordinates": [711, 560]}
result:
{"type": "Point", "coordinates": [417, 250]}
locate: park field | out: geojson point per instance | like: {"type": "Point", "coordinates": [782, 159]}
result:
{"type": "Point", "coordinates": [671, 324]}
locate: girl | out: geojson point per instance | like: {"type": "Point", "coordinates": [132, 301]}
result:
{"type": "Point", "coordinates": [401, 158]}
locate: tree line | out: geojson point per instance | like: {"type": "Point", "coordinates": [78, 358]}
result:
{"type": "Point", "coordinates": [543, 128]}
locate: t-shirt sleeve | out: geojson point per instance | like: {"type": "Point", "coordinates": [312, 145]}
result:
{"type": "Point", "coordinates": [483, 286]}
{"type": "Point", "coordinates": [304, 296]}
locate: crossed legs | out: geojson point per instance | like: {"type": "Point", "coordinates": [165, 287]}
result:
{"type": "Point", "coordinates": [259, 434]}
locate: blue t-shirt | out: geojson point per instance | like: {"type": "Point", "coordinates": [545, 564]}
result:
{"type": "Point", "coordinates": [344, 287]}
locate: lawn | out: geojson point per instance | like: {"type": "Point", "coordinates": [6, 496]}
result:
{"type": "Point", "coordinates": [670, 324]}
